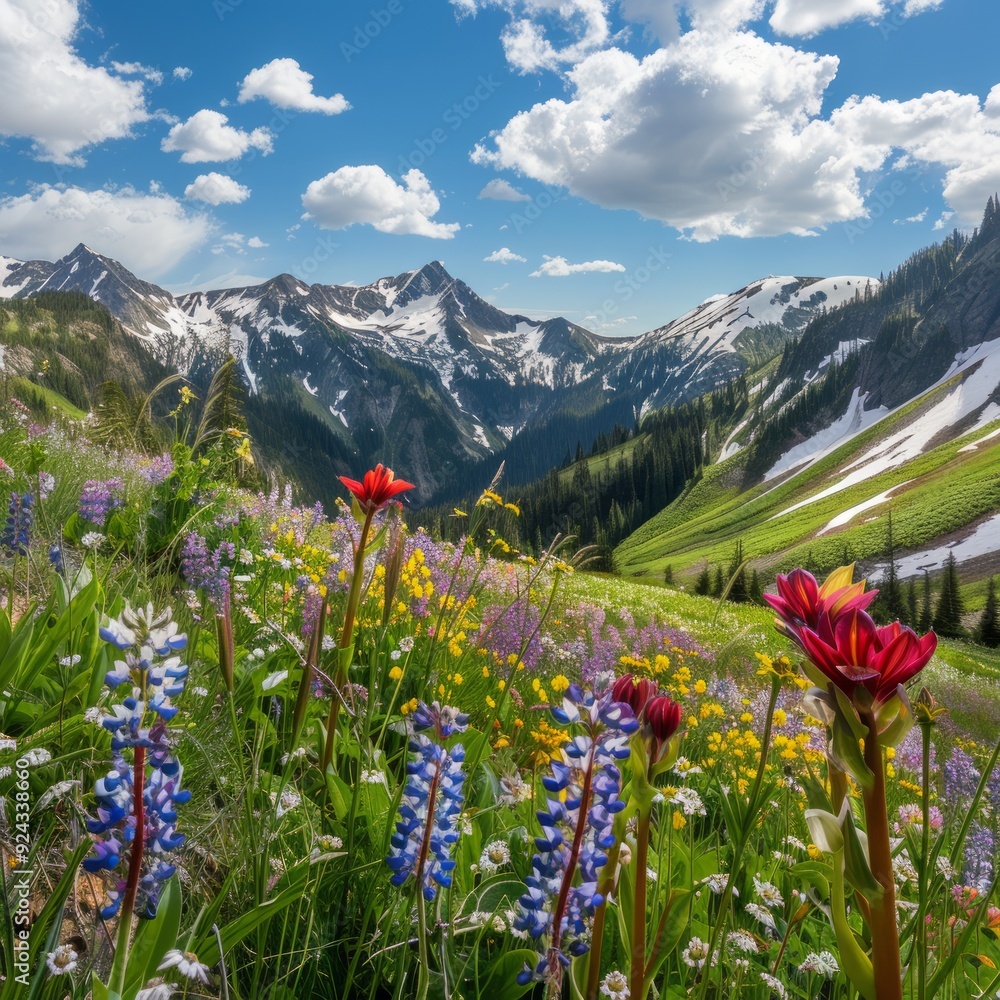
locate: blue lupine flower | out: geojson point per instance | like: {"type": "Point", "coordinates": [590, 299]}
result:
{"type": "Point", "coordinates": [17, 530]}
{"type": "Point", "coordinates": [151, 675]}
{"type": "Point", "coordinates": [583, 789]}
{"type": "Point", "coordinates": [428, 824]}
{"type": "Point", "coordinates": [56, 558]}
{"type": "Point", "coordinates": [979, 851]}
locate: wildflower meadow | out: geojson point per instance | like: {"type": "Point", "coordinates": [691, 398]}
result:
{"type": "Point", "coordinates": [252, 748]}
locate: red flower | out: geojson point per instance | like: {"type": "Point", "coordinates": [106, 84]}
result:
{"type": "Point", "coordinates": [854, 653]}
{"type": "Point", "coordinates": [377, 489]}
{"type": "Point", "coordinates": [635, 692]}
{"type": "Point", "coordinates": [802, 601]}
{"type": "Point", "coordinates": [663, 716]}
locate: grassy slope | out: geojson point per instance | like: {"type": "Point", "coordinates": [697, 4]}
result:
{"type": "Point", "coordinates": [946, 490]}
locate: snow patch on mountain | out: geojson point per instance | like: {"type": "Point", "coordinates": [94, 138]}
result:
{"type": "Point", "coordinates": [985, 537]}
{"type": "Point", "coordinates": [845, 517]}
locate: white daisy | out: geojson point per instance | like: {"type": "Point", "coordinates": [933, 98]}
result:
{"type": "Point", "coordinates": [187, 964]}
{"type": "Point", "coordinates": [62, 961]}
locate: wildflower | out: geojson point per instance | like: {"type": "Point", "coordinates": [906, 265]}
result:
{"type": "Point", "coordinates": [615, 986]}
{"type": "Point", "coordinates": [495, 855]}
{"type": "Point", "coordinates": [432, 802]}
{"type": "Point", "coordinates": [695, 954]}
{"type": "Point", "coordinates": [134, 807]}
{"type": "Point", "coordinates": [823, 962]}
{"type": "Point", "coordinates": [187, 964]}
{"type": "Point", "coordinates": [577, 826]}
{"type": "Point", "coordinates": [760, 913]}
{"type": "Point", "coordinates": [36, 756]}
{"type": "Point", "coordinates": [689, 801]}
{"type": "Point", "coordinates": [775, 985]}
{"type": "Point", "coordinates": [768, 893]}
{"type": "Point", "coordinates": [17, 531]}
{"type": "Point", "coordinates": [99, 498]}
{"type": "Point", "coordinates": [62, 961]}
{"type": "Point", "coordinates": [92, 540]}
{"type": "Point", "coordinates": [717, 883]}
{"type": "Point", "coordinates": [801, 601]}
{"type": "Point", "coordinates": [158, 470]}
{"type": "Point", "coordinates": [743, 941]}
{"type": "Point", "coordinates": [377, 488]}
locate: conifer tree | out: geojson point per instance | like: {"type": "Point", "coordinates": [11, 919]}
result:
{"type": "Point", "coordinates": [926, 607]}
{"type": "Point", "coordinates": [948, 616]}
{"type": "Point", "coordinates": [703, 585]}
{"type": "Point", "coordinates": [988, 632]}
{"type": "Point", "coordinates": [912, 612]}
{"type": "Point", "coordinates": [718, 581]}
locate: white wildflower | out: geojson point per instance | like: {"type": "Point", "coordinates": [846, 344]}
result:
{"type": "Point", "coordinates": [615, 986]}
{"type": "Point", "coordinates": [768, 893]}
{"type": "Point", "coordinates": [92, 540]}
{"type": "Point", "coordinates": [62, 961]}
{"type": "Point", "coordinates": [824, 963]}
{"type": "Point", "coordinates": [37, 756]}
{"type": "Point", "coordinates": [775, 985]}
{"type": "Point", "coordinates": [689, 801]}
{"type": "Point", "coordinates": [187, 964]}
{"type": "Point", "coordinates": [495, 855]}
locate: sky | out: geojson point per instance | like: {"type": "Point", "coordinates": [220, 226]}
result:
{"type": "Point", "coordinates": [612, 161]}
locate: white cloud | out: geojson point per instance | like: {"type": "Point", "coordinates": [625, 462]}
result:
{"type": "Point", "coordinates": [919, 217]}
{"type": "Point", "coordinates": [719, 133]}
{"type": "Point", "coordinates": [581, 27]}
{"type": "Point", "coordinates": [943, 221]}
{"type": "Point", "coordinates": [256, 243]}
{"type": "Point", "coordinates": [501, 190]}
{"type": "Point", "coordinates": [148, 232]}
{"type": "Point", "coordinates": [154, 76]}
{"type": "Point", "coordinates": [52, 96]}
{"type": "Point", "coordinates": [216, 189]}
{"type": "Point", "coordinates": [505, 256]}
{"type": "Point", "coordinates": [206, 137]}
{"type": "Point", "coordinates": [367, 195]}
{"type": "Point", "coordinates": [560, 267]}
{"type": "Point", "coordinates": [230, 241]}
{"type": "Point", "coordinates": [806, 17]}
{"type": "Point", "coordinates": [182, 73]}
{"type": "Point", "coordinates": [659, 17]}
{"type": "Point", "coordinates": [286, 85]}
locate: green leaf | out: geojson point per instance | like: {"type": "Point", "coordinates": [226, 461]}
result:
{"type": "Point", "coordinates": [502, 982]}
{"type": "Point", "coordinates": [340, 794]}
{"type": "Point", "coordinates": [295, 879]}
{"type": "Point", "coordinates": [847, 752]}
{"type": "Point", "coordinates": [154, 939]}
{"type": "Point", "coordinates": [856, 867]}
{"type": "Point", "coordinates": [815, 873]}
{"type": "Point", "coordinates": [673, 929]}
{"type": "Point", "coordinates": [500, 891]}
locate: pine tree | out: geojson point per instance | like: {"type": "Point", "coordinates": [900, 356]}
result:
{"type": "Point", "coordinates": [756, 591]}
{"type": "Point", "coordinates": [912, 614]}
{"type": "Point", "coordinates": [703, 585]}
{"type": "Point", "coordinates": [668, 575]}
{"type": "Point", "coordinates": [718, 581]}
{"type": "Point", "coordinates": [926, 608]}
{"type": "Point", "coordinates": [736, 576]}
{"type": "Point", "coordinates": [948, 616]}
{"type": "Point", "coordinates": [988, 632]}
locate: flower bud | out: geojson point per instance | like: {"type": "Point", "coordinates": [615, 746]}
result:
{"type": "Point", "coordinates": [636, 693]}
{"type": "Point", "coordinates": [663, 716]}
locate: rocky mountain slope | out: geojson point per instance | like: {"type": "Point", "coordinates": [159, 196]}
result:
{"type": "Point", "coordinates": [419, 370]}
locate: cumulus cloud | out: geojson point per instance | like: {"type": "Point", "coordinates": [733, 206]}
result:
{"type": "Point", "coordinates": [216, 189]}
{"type": "Point", "coordinates": [505, 256]}
{"type": "Point", "coordinates": [149, 232]}
{"type": "Point", "coordinates": [256, 243]}
{"type": "Point", "coordinates": [720, 133]}
{"type": "Point", "coordinates": [286, 85]}
{"type": "Point", "coordinates": [367, 195]}
{"type": "Point", "coordinates": [50, 94]}
{"type": "Point", "coordinates": [150, 73]}
{"type": "Point", "coordinates": [206, 137]}
{"type": "Point", "coordinates": [182, 73]}
{"type": "Point", "coordinates": [501, 190]}
{"type": "Point", "coordinates": [560, 267]}
{"type": "Point", "coordinates": [806, 17]}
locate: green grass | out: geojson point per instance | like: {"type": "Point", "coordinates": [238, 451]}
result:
{"type": "Point", "coordinates": [52, 398]}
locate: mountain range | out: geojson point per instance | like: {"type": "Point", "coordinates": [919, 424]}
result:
{"type": "Point", "coordinates": [420, 372]}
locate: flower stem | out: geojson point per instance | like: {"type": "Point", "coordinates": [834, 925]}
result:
{"type": "Point", "coordinates": [885, 936]}
{"type": "Point", "coordinates": [637, 968]}
{"type": "Point", "coordinates": [925, 875]}
{"type": "Point", "coordinates": [605, 887]}
{"type": "Point", "coordinates": [346, 638]}
{"type": "Point", "coordinates": [116, 982]}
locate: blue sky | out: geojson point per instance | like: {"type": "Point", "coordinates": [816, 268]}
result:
{"type": "Point", "coordinates": [660, 152]}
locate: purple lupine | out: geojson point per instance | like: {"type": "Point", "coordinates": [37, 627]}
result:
{"type": "Point", "coordinates": [16, 532]}
{"type": "Point", "coordinates": [961, 777]}
{"type": "Point", "coordinates": [99, 498]}
{"type": "Point", "coordinates": [207, 570]}
{"type": "Point", "coordinates": [137, 798]}
{"type": "Point", "coordinates": [577, 829]}
{"type": "Point", "coordinates": [910, 753]}
{"type": "Point", "coordinates": [432, 802]}
{"type": "Point", "coordinates": [157, 471]}
{"type": "Point", "coordinates": [506, 630]}
{"type": "Point", "coordinates": [980, 851]}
